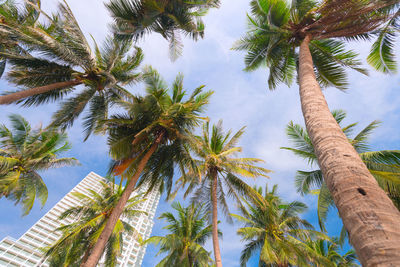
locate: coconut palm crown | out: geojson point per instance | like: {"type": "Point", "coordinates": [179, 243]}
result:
{"type": "Point", "coordinates": [277, 27]}
{"type": "Point", "coordinates": [331, 251]}
{"type": "Point", "coordinates": [188, 231]}
{"type": "Point", "coordinates": [136, 18]}
{"type": "Point", "coordinates": [24, 154]}
{"type": "Point", "coordinates": [79, 236]}
{"type": "Point", "coordinates": [57, 58]}
{"type": "Point", "coordinates": [215, 151]}
{"type": "Point", "coordinates": [166, 112]}
{"type": "Point", "coordinates": [275, 229]}
{"type": "Point", "coordinates": [384, 165]}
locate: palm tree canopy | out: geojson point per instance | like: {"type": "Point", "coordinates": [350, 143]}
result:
{"type": "Point", "coordinates": [216, 152]}
{"type": "Point", "coordinates": [330, 250]}
{"type": "Point", "coordinates": [166, 113]}
{"type": "Point", "coordinates": [26, 15]}
{"type": "Point", "coordinates": [275, 229]}
{"type": "Point", "coordinates": [24, 152]}
{"type": "Point", "coordinates": [115, 67]}
{"type": "Point", "coordinates": [79, 236]}
{"type": "Point", "coordinates": [171, 18]}
{"type": "Point", "coordinates": [277, 27]}
{"type": "Point", "coordinates": [57, 51]}
{"type": "Point", "coordinates": [188, 231]}
{"type": "Point", "coordinates": [384, 165]}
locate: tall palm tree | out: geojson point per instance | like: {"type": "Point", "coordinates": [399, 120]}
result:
{"type": "Point", "coordinates": [147, 141]}
{"type": "Point", "coordinates": [274, 228]}
{"type": "Point", "coordinates": [330, 250]}
{"type": "Point", "coordinates": [214, 173]}
{"type": "Point", "coordinates": [136, 18]}
{"type": "Point", "coordinates": [24, 153]}
{"type": "Point", "coordinates": [384, 165]}
{"type": "Point", "coordinates": [57, 58]}
{"type": "Point", "coordinates": [188, 233]}
{"type": "Point", "coordinates": [305, 35]}
{"type": "Point", "coordinates": [78, 238]}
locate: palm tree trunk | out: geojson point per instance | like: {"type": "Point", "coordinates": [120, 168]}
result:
{"type": "Point", "coordinates": [98, 248]}
{"type": "Point", "coordinates": [369, 216]}
{"type": "Point", "coordinates": [10, 98]}
{"type": "Point", "coordinates": [86, 255]}
{"type": "Point", "coordinates": [214, 199]}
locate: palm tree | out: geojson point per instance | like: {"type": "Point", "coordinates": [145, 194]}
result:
{"type": "Point", "coordinates": [136, 18]}
{"type": "Point", "coordinates": [305, 35]}
{"type": "Point", "coordinates": [274, 228]}
{"type": "Point", "coordinates": [79, 237]}
{"type": "Point", "coordinates": [24, 152]}
{"type": "Point", "coordinates": [188, 233]}
{"type": "Point", "coordinates": [214, 173]}
{"type": "Point", "coordinates": [60, 59]}
{"type": "Point", "coordinates": [147, 141]}
{"type": "Point", "coordinates": [384, 165]}
{"type": "Point", "coordinates": [330, 250]}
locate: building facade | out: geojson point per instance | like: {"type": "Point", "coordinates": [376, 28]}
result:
{"type": "Point", "coordinates": [27, 250]}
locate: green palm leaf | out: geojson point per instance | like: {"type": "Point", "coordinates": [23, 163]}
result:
{"type": "Point", "coordinates": [382, 56]}
{"type": "Point", "coordinates": [23, 153]}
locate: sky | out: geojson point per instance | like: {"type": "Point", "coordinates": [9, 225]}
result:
{"type": "Point", "coordinates": [240, 99]}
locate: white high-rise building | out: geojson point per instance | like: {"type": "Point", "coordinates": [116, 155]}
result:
{"type": "Point", "coordinates": [26, 251]}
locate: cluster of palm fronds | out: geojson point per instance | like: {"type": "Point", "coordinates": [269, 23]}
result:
{"type": "Point", "coordinates": [24, 152]}
{"type": "Point", "coordinates": [152, 137]}
{"type": "Point", "coordinates": [188, 233]}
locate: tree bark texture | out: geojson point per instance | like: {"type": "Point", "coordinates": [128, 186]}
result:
{"type": "Point", "coordinates": [13, 97]}
{"type": "Point", "coordinates": [370, 217]}
{"type": "Point", "coordinates": [100, 245]}
{"type": "Point", "coordinates": [214, 199]}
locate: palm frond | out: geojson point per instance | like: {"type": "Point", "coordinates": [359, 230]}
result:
{"type": "Point", "coordinates": [382, 56]}
{"type": "Point", "coordinates": [25, 151]}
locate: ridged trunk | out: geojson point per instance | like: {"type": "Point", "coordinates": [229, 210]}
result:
{"type": "Point", "coordinates": [13, 97]}
{"type": "Point", "coordinates": [100, 245]}
{"type": "Point", "coordinates": [214, 199]}
{"type": "Point", "coordinates": [368, 214]}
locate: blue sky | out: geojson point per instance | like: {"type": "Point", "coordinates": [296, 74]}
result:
{"type": "Point", "coordinates": [240, 99]}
